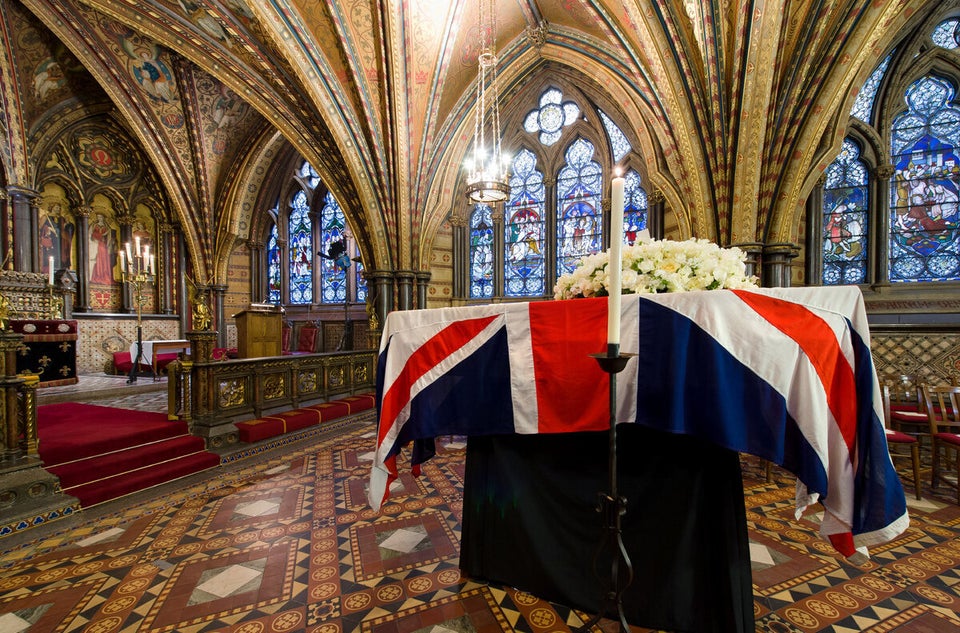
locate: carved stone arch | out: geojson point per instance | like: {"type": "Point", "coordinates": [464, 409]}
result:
{"type": "Point", "coordinates": [74, 197]}
{"type": "Point", "coordinates": [268, 177]}
{"type": "Point", "coordinates": [120, 204]}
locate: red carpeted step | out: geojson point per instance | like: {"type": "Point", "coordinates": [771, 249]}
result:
{"type": "Point", "coordinates": [69, 431]}
{"type": "Point", "coordinates": [84, 470]}
{"type": "Point", "coordinates": [152, 475]}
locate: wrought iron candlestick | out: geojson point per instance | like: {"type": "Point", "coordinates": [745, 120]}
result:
{"type": "Point", "coordinates": [138, 271]}
{"type": "Point", "coordinates": [612, 505]}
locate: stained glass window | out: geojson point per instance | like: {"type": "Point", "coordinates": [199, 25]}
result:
{"type": "Point", "coordinates": [361, 282]}
{"type": "Point", "coordinates": [947, 34]}
{"type": "Point", "coordinates": [481, 252]}
{"type": "Point", "coordinates": [335, 260]}
{"type": "Point", "coordinates": [863, 105]}
{"type": "Point", "coordinates": [301, 251]}
{"type": "Point", "coordinates": [924, 244]}
{"type": "Point", "coordinates": [634, 207]}
{"type": "Point", "coordinates": [309, 175]}
{"type": "Point", "coordinates": [524, 265]}
{"type": "Point", "coordinates": [273, 267]}
{"type": "Point", "coordinates": [551, 116]}
{"type": "Point", "coordinates": [619, 144]}
{"type": "Point", "coordinates": [579, 226]}
{"type": "Point", "coordinates": [845, 203]}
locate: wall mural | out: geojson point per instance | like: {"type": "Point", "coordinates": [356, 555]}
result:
{"type": "Point", "coordinates": [57, 232]}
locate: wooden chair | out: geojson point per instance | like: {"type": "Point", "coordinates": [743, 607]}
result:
{"type": "Point", "coordinates": [943, 412]}
{"type": "Point", "coordinates": [898, 440]}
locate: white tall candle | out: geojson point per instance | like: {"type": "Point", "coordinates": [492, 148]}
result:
{"type": "Point", "coordinates": [50, 267]}
{"type": "Point", "coordinates": [153, 265]}
{"type": "Point", "coordinates": [616, 260]}
{"type": "Point", "coordinates": [123, 261]}
{"type": "Point", "coordinates": [129, 255]}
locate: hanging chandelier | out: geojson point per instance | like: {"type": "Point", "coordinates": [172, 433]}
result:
{"type": "Point", "coordinates": [487, 169]}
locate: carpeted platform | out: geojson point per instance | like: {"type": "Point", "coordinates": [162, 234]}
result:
{"type": "Point", "coordinates": [101, 453]}
{"type": "Point", "coordinates": [269, 426]}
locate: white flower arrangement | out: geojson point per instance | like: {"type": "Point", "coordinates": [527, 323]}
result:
{"type": "Point", "coordinates": [651, 266]}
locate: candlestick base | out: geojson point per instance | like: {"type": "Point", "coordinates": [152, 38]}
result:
{"type": "Point", "coordinates": [611, 505]}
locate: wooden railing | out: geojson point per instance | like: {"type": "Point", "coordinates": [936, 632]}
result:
{"type": "Point", "coordinates": [212, 395]}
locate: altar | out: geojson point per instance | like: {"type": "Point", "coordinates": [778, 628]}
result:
{"type": "Point", "coordinates": [781, 373]}
{"type": "Point", "coordinates": [159, 353]}
{"type": "Point", "coordinates": [49, 349]}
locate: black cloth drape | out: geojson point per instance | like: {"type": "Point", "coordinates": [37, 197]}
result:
{"type": "Point", "coordinates": [530, 521]}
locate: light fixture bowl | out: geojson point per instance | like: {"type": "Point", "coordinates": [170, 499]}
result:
{"type": "Point", "coordinates": [487, 191]}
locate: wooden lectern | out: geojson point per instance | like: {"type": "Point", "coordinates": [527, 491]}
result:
{"type": "Point", "coordinates": [259, 331]}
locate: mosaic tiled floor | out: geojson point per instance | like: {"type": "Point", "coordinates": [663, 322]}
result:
{"type": "Point", "coordinates": [286, 542]}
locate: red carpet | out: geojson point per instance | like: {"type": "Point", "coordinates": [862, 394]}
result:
{"type": "Point", "coordinates": [101, 453]}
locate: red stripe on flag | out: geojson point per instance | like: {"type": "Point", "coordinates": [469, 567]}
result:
{"type": "Point", "coordinates": [819, 343]}
{"type": "Point", "coordinates": [426, 357]}
{"type": "Point", "coordinates": [572, 390]}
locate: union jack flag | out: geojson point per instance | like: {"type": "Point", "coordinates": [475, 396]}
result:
{"type": "Point", "coordinates": [783, 373]}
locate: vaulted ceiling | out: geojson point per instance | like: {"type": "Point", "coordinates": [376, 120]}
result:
{"type": "Point", "coordinates": [734, 102]}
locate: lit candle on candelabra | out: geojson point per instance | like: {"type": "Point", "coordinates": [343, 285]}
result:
{"type": "Point", "coordinates": [50, 267]}
{"type": "Point", "coordinates": [616, 261]}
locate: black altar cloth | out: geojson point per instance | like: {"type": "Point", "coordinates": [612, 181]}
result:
{"type": "Point", "coordinates": [49, 348]}
{"type": "Point", "coordinates": [530, 522]}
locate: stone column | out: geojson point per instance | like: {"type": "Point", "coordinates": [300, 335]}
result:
{"type": "Point", "coordinates": [405, 289]}
{"type": "Point", "coordinates": [9, 386]}
{"type": "Point", "coordinates": [461, 253]}
{"type": "Point", "coordinates": [166, 268]}
{"type": "Point", "coordinates": [219, 292]}
{"type": "Point", "coordinates": [754, 251]}
{"type": "Point", "coordinates": [655, 214]}
{"type": "Point", "coordinates": [26, 227]}
{"type": "Point", "coordinates": [82, 213]}
{"type": "Point", "coordinates": [258, 272]}
{"type": "Point", "coordinates": [383, 294]}
{"type": "Point", "coordinates": [284, 271]}
{"type": "Point", "coordinates": [499, 247]}
{"type": "Point", "coordinates": [128, 301]}
{"type": "Point", "coordinates": [6, 230]}
{"type": "Point", "coordinates": [879, 256]}
{"type": "Point", "coordinates": [423, 284]}
{"type": "Point", "coordinates": [777, 262]}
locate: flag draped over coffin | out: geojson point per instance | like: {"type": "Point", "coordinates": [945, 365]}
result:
{"type": "Point", "coordinates": [785, 374]}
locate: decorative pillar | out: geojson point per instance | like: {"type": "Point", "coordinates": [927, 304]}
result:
{"type": "Point", "coordinates": [423, 283]}
{"type": "Point", "coordinates": [879, 254]}
{"type": "Point", "coordinates": [383, 295]}
{"type": "Point", "coordinates": [219, 292]}
{"type": "Point", "coordinates": [655, 214]}
{"type": "Point", "coordinates": [182, 292]}
{"type": "Point", "coordinates": [126, 237]}
{"type": "Point", "coordinates": [754, 251]}
{"type": "Point", "coordinates": [82, 214]}
{"type": "Point", "coordinates": [284, 271]}
{"type": "Point", "coordinates": [777, 262]}
{"type": "Point", "coordinates": [166, 267]}
{"type": "Point", "coordinates": [461, 253]}
{"type": "Point", "coordinates": [10, 385]}
{"type": "Point", "coordinates": [6, 230]}
{"type": "Point", "coordinates": [258, 270]}
{"type": "Point", "coordinates": [405, 289]}
{"type": "Point", "coordinates": [499, 251]}
{"type": "Point", "coordinates": [813, 235]}
{"type": "Point", "coordinates": [26, 226]}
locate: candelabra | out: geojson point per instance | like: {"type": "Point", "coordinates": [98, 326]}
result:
{"type": "Point", "coordinates": [138, 269]}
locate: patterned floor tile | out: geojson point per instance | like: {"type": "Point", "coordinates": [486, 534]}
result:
{"type": "Point", "coordinates": [283, 540]}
